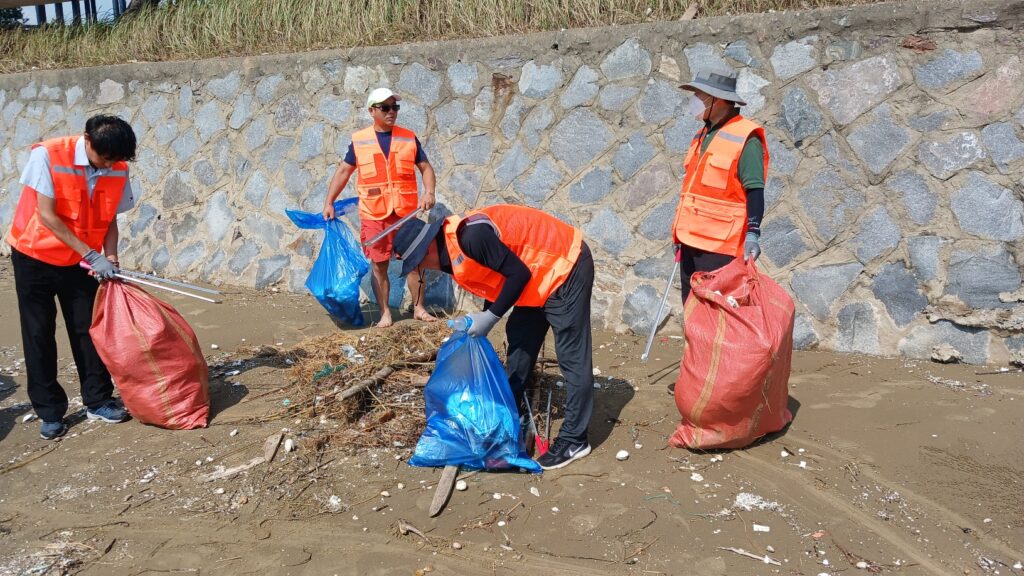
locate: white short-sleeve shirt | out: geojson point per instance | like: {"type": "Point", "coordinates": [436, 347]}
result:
{"type": "Point", "coordinates": [36, 175]}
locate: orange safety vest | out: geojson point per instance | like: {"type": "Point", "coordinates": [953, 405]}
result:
{"type": "Point", "coordinates": [386, 184]}
{"type": "Point", "coordinates": [712, 210]}
{"type": "Point", "coordinates": [548, 247]}
{"type": "Point", "coordinates": [87, 219]}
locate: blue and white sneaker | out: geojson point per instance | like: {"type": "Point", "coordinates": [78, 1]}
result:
{"type": "Point", "coordinates": [110, 411]}
{"type": "Point", "coordinates": [52, 430]}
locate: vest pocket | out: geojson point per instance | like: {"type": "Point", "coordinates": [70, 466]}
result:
{"type": "Point", "coordinates": [367, 165]}
{"type": "Point", "coordinates": [406, 167]}
{"type": "Point", "coordinates": [373, 201]}
{"type": "Point", "coordinates": [716, 172]}
{"type": "Point", "coordinates": [713, 219]}
{"type": "Point", "coordinates": [68, 208]}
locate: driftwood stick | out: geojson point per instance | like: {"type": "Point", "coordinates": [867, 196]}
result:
{"type": "Point", "coordinates": [381, 374]}
{"type": "Point", "coordinates": [743, 552]}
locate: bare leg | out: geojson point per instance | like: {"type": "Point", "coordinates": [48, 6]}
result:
{"type": "Point", "coordinates": [381, 290]}
{"type": "Point", "coordinates": [418, 288]}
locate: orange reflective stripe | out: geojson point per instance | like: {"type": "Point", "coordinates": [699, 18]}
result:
{"type": "Point", "coordinates": [548, 247]}
{"type": "Point", "coordinates": [386, 184]}
{"type": "Point", "coordinates": [88, 219]}
{"type": "Point", "coordinates": [712, 210]}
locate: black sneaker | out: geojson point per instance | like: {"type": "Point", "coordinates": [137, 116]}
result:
{"type": "Point", "coordinates": [52, 430]}
{"type": "Point", "coordinates": [561, 453]}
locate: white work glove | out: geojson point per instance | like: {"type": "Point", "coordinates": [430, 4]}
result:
{"type": "Point", "coordinates": [751, 247]}
{"type": "Point", "coordinates": [482, 323]}
{"type": "Point", "coordinates": [102, 268]}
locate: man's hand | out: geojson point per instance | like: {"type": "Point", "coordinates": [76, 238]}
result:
{"type": "Point", "coordinates": [329, 211]}
{"type": "Point", "coordinates": [102, 268]}
{"type": "Point", "coordinates": [751, 247]}
{"type": "Point", "coordinates": [427, 201]}
{"type": "Point", "coordinates": [482, 323]}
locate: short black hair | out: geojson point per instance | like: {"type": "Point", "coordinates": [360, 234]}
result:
{"type": "Point", "coordinates": [111, 137]}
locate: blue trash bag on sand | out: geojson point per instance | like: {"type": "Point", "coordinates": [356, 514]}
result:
{"type": "Point", "coordinates": [472, 420]}
{"type": "Point", "coordinates": [336, 274]}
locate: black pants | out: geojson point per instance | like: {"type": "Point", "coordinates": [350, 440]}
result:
{"type": "Point", "coordinates": [37, 283]}
{"type": "Point", "coordinates": [567, 312]}
{"type": "Point", "coordinates": [697, 260]}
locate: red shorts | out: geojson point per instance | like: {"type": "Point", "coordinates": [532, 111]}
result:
{"type": "Point", "coordinates": [381, 250]}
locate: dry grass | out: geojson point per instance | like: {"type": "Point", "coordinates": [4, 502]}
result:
{"type": "Point", "coordinates": [188, 29]}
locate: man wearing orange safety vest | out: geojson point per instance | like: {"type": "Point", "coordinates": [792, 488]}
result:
{"type": "Point", "coordinates": [518, 256]}
{"type": "Point", "coordinates": [722, 199]}
{"type": "Point", "coordinates": [74, 188]}
{"type": "Point", "coordinates": [385, 155]}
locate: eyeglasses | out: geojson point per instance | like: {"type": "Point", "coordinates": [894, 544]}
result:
{"type": "Point", "coordinates": [385, 108]}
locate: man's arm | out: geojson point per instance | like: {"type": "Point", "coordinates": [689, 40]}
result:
{"type": "Point", "coordinates": [480, 243]}
{"type": "Point", "coordinates": [110, 242]}
{"type": "Point", "coordinates": [46, 207]}
{"type": "Point", "coordinates": [428, 198]}
{"type": "Point", "coordinates": [334, 188]}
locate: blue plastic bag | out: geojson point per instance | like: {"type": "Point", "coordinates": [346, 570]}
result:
{"type": "Point", "coordinates": [335, 276]}
{"type": "Point", "coordinates": [472, 420]}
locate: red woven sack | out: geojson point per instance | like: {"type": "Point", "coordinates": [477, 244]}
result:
{"type": "Point", "coordinates": [153, 356]}
{"type": "Point", "coordinates": [733, 380]}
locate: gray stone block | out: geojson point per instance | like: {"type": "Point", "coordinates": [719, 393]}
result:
{"type": "Point", "coordinates": [1003, 145]}
{"type": "Point", "coordinates": [185, 97]}
{"type": "Point", "coordinates": [313, 80]}
{"type": "Point", "coordinates": [204, 173]}
{"type": "Point", "coordinates": [483, 104]}
{"type": "Point", "coordinates": [703, 57]}
{"type": "Point", "coordinates": [161, 258]}
{"type": "Point", "coordinates": [608, 231]}
{"type": "Point", "coordinates": [748, 87]}
{"type": "Point", "coordinates": [218, 216]}
{"type": "Point", "coordinates": [73, 95]}
{"type": "Point", "coordinates": [265, 230]}
{"type": "Point", "coordinates": [773, 191]}
{"type": "Point", "coordinates": [451, 120]}
{"type": "Point", "coordinates": [266, 88]}
{"type": "Point", "coordinates": [413, 117]}
{"type": "Point", "coordinates": [831, 203]}
{"type": "Point", "coordinates": [988, 210]}
{"type": "Point", "coordinates": [896, 287]}
{"type": "Point", "coordinates": [804, 335]}
{"type": "Point", "coordinates": [299, 179]}
{"type": "Point", "coordinates": [858, 329]}
{"type": "Point", "coordinates": [783, 160]}
{"type": "Point", "coordinates": [26, 134]}
{"type": "Point", "coordinates": [11, 111]}
{"type": "Point", "coordinates": [357, 81]}
{"type": "Point", "coordinates": [656, 267]}
{"type": "Point", "coordinates": [818, 288]}
{"type": "Point", "coordinates": [141, 220]}
{"type": "Point", "coordinates": [213, 265]}
{"type": "Point", "coordinates": [880, 142]}
{"type": "Point", "coordinates": [581, 89]}
{"type": "Point", "coordinates": [799, 117]}
{"type": "Point", "coordinates": [462, 77]}
{"type": "Point", "coordinates": [417, 82]}
{"type": "Point", "coordinates": [154, 108]}
{"type": "Point", "coordinates": [917, 196]}
{"type": "Point", "coordinates": [579, 138]}
{"type": "Point", "coordinates": [659, 102]}
{"type": "Point", "coordinates": [209, 120]}
{"type": "Point", "coordinates": [977, 277]}
{"type": "Point", "coordinates": [629, 60]}
{"type": "Point", "coordinates": [836, 156]}
{"type": "Point", "coordinates": [782, 241]}
{"type": "Point", "coordinates": [1014, 343]}
{"type": "Point", "coordinates": [276, 152]}
{"type": "Point", "coordinates": [680, 134]}
{"type": "Point", "coordinates": [843, 50]}
{"type": "Point", "coordinates": [539, 81]}
{"type": "Point", "coordinates": [177, 191]}
{"type": "Point", "coordinates": [257, 133]}
{"type": "Point", "coordinates": [256, 189]}
{"type": "Point", "coordinates": [335, 110]}
{"type": "Point", "coordinates": [474, 149]}
{"type": "Point", "coordinates": [333, 69]}
{"type": "Point", "coordinates": [540, 183]}
{"type": "Point", "coordinates": [512, 164]}
{"type": "Point", "coordinates": [225, 88]}
{"type": "Point", "coordinates": [972, 343]}
{"type": "Point", "coordinates": [928, 122]}
{"type": "Point", "coordinates": [466, 183]}
{"type": "Point", "coordinates": [311, 144]}
{"type": "Point", "coordinates": [646, 186]}
{"type": "Point", "coordinates": [924, 256]}
{"type": "Point", "coordinates": [151, 165]}
{"type": "Point", "coordinates": [640, 307]}
{"type": "Point", "coordinates": [243, 257]}
{"type": "Point", "coordinates": [657, 225]}
{"type": "Point", "coordinates": [617, 98]}
{"type": "Point", "coordinates": [795, 58]}
{"type": "Point", "coordinates": [289, 113]}
{"type": "Point", "coordinates": [535, 125]}
{"type": "Point", "coordinates": [632, 155]}
{"type": "Point", "coordinates": [944, 158]}
{"type": "Point", "coordinates": [878, 235]}
{"type": "Point", "coordinates": [948, 67]}
{"type": "Point", "coordinates": [188, 256]}
{"type": "Point", "coordinates": [849, 91]}
{"type": "Point", "coordinates": [513, 118]}
{"type": "Point", "coordinates": [740, 52]}
{"type": "Point", "coordinates": [109, 93]}
{"type": "Point", "coordinates": [241, 111]}
{"type": "Point", "coordinates": [593, 187]}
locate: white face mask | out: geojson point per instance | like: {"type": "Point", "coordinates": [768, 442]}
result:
{"type": "Point", "coordinates": [696, 107]}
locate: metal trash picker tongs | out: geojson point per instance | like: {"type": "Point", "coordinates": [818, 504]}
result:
{"type": "Point", "coordinates": [161, 283]}
{"type": "Point", "coordinates": [393, 227]}
{"type": "Point", "coordinates": [661, 310]}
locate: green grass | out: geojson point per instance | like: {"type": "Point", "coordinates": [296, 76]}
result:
{"type": "Point", "coordinates": [188, 29]}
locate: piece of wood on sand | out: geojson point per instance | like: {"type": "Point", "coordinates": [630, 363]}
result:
{"type": "Point", "coordinates": [766, 559]}
{"type": "Point", "coordinates": [270, 446]}
{"type": "Point", "coordinates": [444, 490]}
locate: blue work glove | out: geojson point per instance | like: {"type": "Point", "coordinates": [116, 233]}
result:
{"type": "Point", "coordinates": [751, 247]}
{"type": "Point", "coordinates": [102, 268]}
{"type": "Point", "coordinates": [482, 323]}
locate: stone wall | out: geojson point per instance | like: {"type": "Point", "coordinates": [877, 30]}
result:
{"type": "Point", "coordinates": [894, 199]}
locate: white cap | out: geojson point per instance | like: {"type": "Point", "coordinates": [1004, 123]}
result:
{"type": "Point", "coordinates": [379, 95]}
